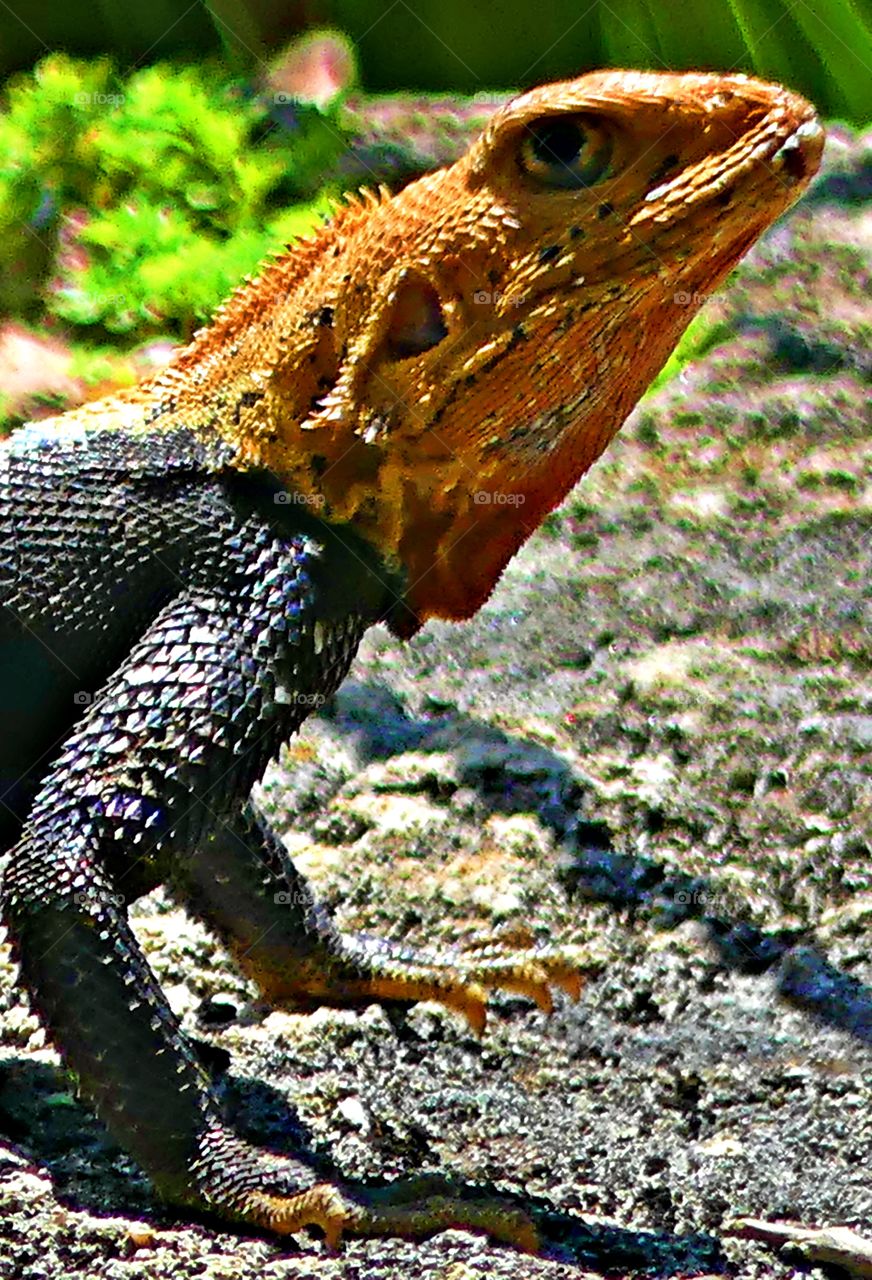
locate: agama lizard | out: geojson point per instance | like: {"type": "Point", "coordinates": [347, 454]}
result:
{"type": "Point", "coordinates": [206, 550]}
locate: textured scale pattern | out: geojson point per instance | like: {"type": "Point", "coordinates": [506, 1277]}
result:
{"type": "Point", "coordinates": [366, 433]}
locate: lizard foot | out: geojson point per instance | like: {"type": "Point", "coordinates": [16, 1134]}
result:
{"type": "Point", "coordinates": [415, 1207]}
{"type": "Point", "coordinates": [376, 969]}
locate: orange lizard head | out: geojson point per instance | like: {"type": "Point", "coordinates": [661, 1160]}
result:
{"type": "Point", "coordinates": [439, 367]}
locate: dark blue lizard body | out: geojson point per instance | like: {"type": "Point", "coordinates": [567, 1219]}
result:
{"type": "Point", "coordinates": [166, 623]}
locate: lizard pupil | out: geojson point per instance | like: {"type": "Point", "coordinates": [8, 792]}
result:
{"type": "Point", "coordinates": [568, 151]}
{"type": "Point", "coordinates": [559, 143]}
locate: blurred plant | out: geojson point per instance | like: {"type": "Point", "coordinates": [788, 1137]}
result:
{"type": "Point", "coordinates": [701, 336]}
{"type": "Point", "coordinates": [131, 206]}
{"type": "Point", "coordinates": [137, 204]}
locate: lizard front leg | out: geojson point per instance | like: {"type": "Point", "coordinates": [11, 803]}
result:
{"type": "Point", "coordinates": [101, 1003]}
{"type": "Point", "coordinates": [165, 753]}
{"type": "Point", "coordinates": [242, 882]}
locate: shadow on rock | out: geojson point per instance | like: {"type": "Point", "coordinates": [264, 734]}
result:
{"type": "Point", "coordinates": [40, 1116]}
{"type": "Point", "coordinates": [507, 774]}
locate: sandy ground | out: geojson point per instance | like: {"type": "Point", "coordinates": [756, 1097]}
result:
{"type": "Point", "coordinates": [655, 743]}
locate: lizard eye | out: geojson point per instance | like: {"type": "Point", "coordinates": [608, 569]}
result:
{"type": "Point", "coordinates": [566, 151]}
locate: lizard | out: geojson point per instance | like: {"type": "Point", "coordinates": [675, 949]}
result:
{"type": "Point", "coordinates": [366, 432]}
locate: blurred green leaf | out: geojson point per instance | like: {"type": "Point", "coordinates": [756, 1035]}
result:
{"type": "Point", "coordinates": [135, 205]}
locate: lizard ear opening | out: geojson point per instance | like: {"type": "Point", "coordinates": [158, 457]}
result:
{"type": "Point", "coordinates": [566, 151]}
{"type": "Point", "coordinates": [417, 322]}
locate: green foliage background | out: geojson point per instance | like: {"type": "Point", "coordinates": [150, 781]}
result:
{"type": "Point", "coordinates": [821, 47]}
{"type": "Point", "coordinates": [135, 204]}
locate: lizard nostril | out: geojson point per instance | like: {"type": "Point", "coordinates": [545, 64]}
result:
{"type": "Point", "coordinates": [794, 163]}
{"type": "Point", "coordinates": [417, 322]}
{"type": "Point", "coordinates": [800, 154]}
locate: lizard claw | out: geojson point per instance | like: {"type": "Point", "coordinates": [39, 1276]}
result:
{"type": "Point", "coordinates": [461, 979]}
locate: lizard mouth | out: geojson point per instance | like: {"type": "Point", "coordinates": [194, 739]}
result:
{"type": "Point", "coordinates": [786, 162]}
{"type": "Point", "coordinates": [766, 167]}
{"type": "Point", "coordinates": [753, 191]}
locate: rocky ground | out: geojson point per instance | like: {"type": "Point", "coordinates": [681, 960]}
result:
{"type": "Point", "coordinates": [655, 743]}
